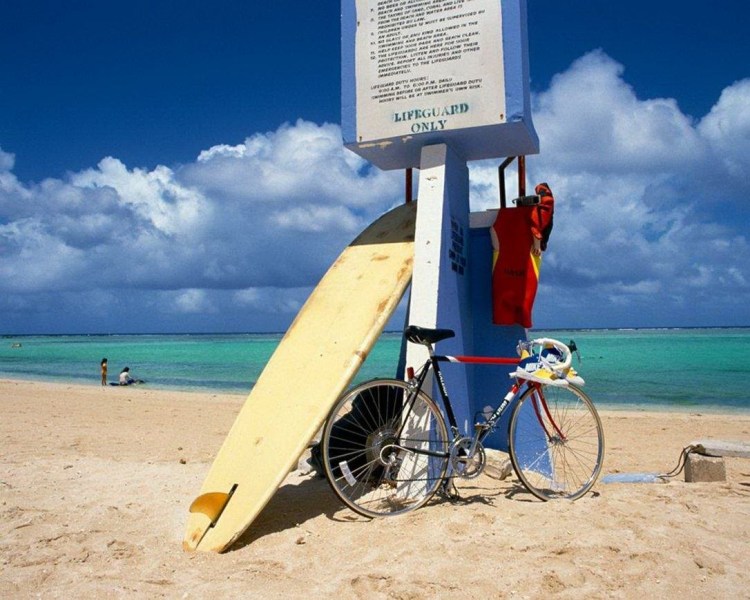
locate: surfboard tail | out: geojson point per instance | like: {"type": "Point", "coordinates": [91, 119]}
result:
{"type": "Point", "coordinates": [209, 505]}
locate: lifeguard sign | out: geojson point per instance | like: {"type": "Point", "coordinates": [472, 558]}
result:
{"type": "Point", "coordinates": [424, 72]}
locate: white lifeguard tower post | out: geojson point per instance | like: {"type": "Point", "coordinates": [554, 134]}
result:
{"type": "Point", "coordinates": [433, 85]}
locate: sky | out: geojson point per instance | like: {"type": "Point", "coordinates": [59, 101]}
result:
{"type": "Point", "coordinates": [176, 166]}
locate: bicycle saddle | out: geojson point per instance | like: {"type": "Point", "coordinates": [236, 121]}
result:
{"type": "Point", "coordinates": [423, 335]}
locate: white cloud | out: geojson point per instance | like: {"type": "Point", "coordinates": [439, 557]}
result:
{"type": "Point", "coordinates": [7, 161]}
{"type": "Point", "coordinates": [727, 128]}
{"type": "Point", "coordinates": [312, 218]}
{"type": "Point", "coordinates": [276, 301]}
{"type": "Point", "coordinates": [590, 119]}
{"type": "Point", "coordinates": [193, 301]}
{"type": "Point", "coordinates": [249, 215]}
{"type": "Point", "coordinates": [222, 151]}
{"type": "Point", "coordinates": [296, 164]}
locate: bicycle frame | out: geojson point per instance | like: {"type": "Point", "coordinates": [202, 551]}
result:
{"type": "Point", "coordinates": [482, 430]}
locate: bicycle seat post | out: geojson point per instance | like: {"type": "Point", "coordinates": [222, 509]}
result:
{"type": "Point", "coordinates": [480, 428]}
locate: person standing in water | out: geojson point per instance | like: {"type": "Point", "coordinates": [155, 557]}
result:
{"type": "Point", "coordinates": [104, 371]}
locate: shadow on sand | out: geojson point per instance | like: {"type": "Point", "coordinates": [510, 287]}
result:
{"type": "Point", "coordinates": [293, 505]}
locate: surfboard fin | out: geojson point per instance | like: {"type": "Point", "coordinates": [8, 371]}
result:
{"type": "Point", "coordinates": [212, 504]}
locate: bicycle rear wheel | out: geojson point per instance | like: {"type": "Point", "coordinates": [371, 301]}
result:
{"type": "Point", "coordinates": [556, 442]}
{"type": "Point", "coordinates": [384, 450]}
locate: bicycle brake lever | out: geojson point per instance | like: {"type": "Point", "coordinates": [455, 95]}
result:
{"type": "Point", "coordinates": [522, 347]}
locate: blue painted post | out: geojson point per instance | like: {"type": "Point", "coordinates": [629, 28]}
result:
{"type": "Point", "coordinates": [489, 382]}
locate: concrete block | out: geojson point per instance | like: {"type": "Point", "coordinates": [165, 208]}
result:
{"type": "Point", "coordinates": [699, 468]}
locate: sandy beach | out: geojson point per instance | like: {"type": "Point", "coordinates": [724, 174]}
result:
{"type": "Point", "coordinates": [95, 484]}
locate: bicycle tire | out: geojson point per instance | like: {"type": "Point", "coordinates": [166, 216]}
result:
{"type": "Point", "coordinates": [372, 469]}
{"type": "Point", "coordinates": [557, 451]}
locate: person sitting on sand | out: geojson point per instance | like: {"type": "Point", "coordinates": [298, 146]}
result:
{"type": "Point", "coordinates": [125, 378]}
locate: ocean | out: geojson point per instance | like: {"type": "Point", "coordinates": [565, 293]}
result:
{"type": "Point", "coordinates": [656, 369]}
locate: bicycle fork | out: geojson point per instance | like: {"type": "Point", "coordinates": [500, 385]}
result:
{"type": "Point", "coordinates": [538, 400]}
{"type": "Point", "coordinates": [539, 403]}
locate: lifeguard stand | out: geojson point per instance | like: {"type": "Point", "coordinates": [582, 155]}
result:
{"type": "Point", "coordinates": [433, 86]}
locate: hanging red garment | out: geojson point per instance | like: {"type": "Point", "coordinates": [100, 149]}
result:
{"type": "Point", "coordinates": [515, 272]}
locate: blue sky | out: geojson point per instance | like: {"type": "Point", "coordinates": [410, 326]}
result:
{"type": "Point", "coordinates": [177, 166]}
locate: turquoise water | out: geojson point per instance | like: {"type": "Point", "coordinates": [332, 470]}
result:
{"type": "Point", "coordinates": [674, 368]}
{"type": "Point", "coordinates": [687, 369]}
{"type": "Point", "coordinates": [226, 363]}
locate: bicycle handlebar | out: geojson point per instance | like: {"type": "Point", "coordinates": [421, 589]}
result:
{"type": "Point", "coordinates": [544, 343]}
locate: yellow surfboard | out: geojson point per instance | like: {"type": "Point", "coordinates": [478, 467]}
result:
{"type": "Point", "coordinates": [313, 364]}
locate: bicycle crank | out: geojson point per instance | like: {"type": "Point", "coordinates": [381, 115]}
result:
{"type": "Point", "coordinates": [464, 463]}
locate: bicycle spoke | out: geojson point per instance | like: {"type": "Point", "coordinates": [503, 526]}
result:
{"type": "Point", "coordinates": [556, 448]}
{"type": "Point", "coordinates": [374, 445]}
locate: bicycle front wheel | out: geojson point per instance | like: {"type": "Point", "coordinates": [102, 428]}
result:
{"type": "Point", "coordinates": [556, 442]}
{"type": "Point", "coordinates": [384, 448]}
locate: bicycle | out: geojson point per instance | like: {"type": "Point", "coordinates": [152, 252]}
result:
{"type": "Point", "coordinates": [386, 446]}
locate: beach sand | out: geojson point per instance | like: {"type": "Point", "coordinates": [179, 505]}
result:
{"type": "Point", "coordinates": [95, 485]}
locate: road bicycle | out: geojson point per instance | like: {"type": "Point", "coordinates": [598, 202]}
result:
{"type": "Point", "coordinates": [386, 447]}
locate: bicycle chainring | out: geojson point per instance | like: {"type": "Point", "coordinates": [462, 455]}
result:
{"type": "Point", "coordinates": [463, 466]}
